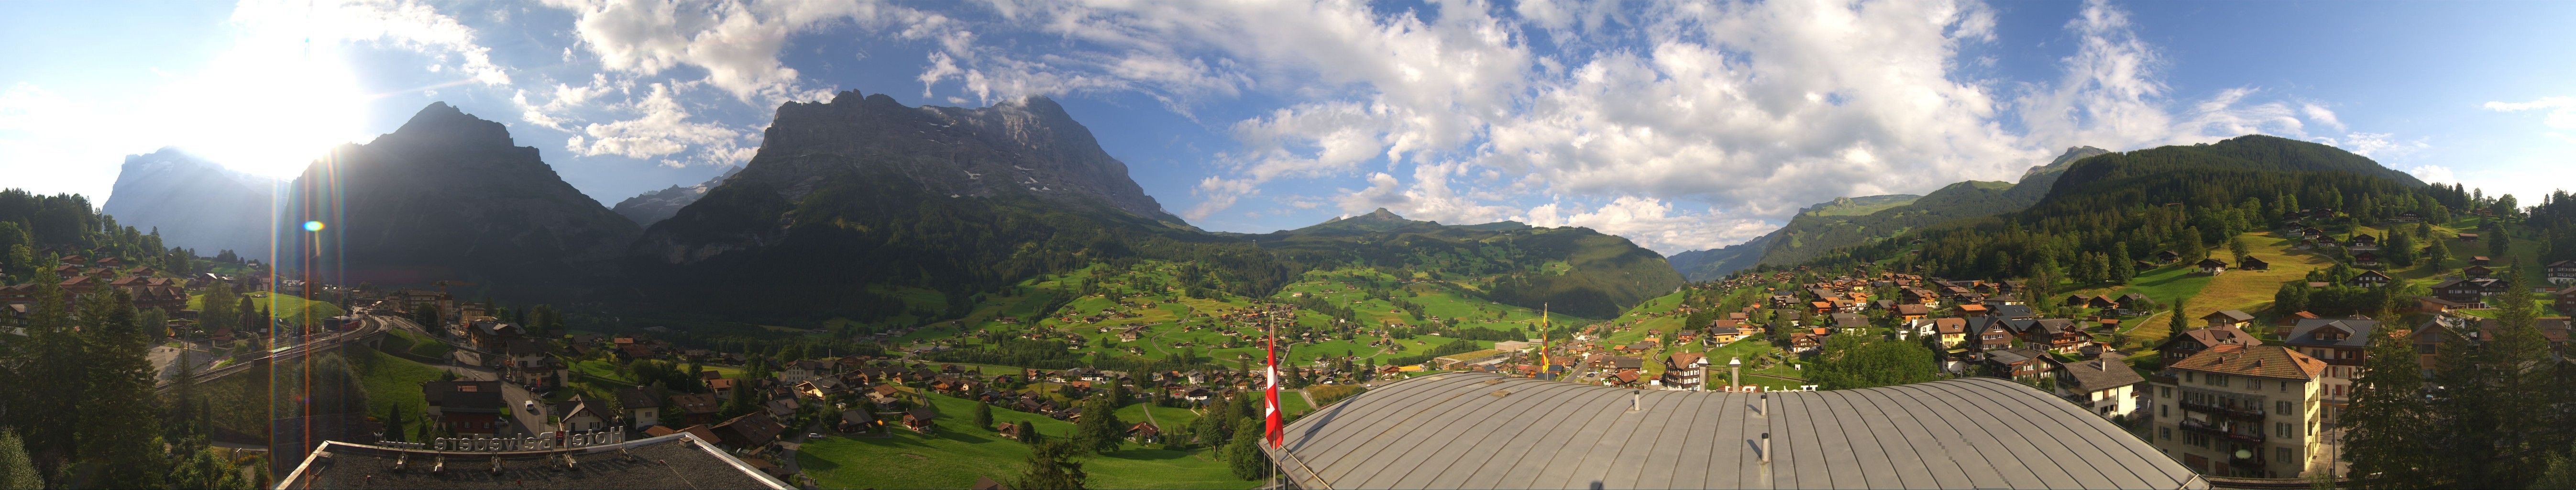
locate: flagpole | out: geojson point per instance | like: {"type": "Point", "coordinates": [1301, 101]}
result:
{"type": "Point", "coordinates": [1271, 411]}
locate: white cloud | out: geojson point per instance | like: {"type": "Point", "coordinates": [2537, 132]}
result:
{"type": "Point", "coordinates": [2561, 109]}
{"type": "Point", "coordinates": [1755, 108]}
{"type": "Point", "coordinates": [661, 127]}
{"type": "Point", "coordinates": [1652, 223]}
{"type": "Point", "coordinates": [737, 43]}
{"type": "Point", "coordinates": [2322, 115]}
{"type": "Point", "coordinates": [2377, 145]}
{"type": "Point", "coordinates": [2433, 173]}
{"type": "Point", "coordinates": [408, 25]}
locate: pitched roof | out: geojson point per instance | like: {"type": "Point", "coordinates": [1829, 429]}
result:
{"type": "Point", "coordinates": [2356, 333]}
{"type": "Point", "coordinates": [2099, 374]}
{"type": "Point", "coordinates": [2263, 361]}
{"type": "Point", "coordinates": [2221, 336]}
{"type": "Point", "coordinates": [2232, 316]}
{"type": "Point", "coordinates": [1881, 437]}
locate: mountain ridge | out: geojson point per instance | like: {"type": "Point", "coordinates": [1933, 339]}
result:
{"type": "Point", "coordinates": [450, 196]}
{"type": "Point", "coordinates": [194, 203]}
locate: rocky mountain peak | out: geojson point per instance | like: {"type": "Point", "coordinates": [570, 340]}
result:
{"type": "Point", "coordinates": [1029, 147]}
{"type": "Point", "coordinates": [440, 123]}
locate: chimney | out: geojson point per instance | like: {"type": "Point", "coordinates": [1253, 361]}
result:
{"type": "Point", "coordinates": [1636, 400]}
{"type": "Point", "coordinates": [1766, 447]}
{"type": "Point", "coordinates": [1764, 407]}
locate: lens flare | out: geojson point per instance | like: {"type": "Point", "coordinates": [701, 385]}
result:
{"type": "Point", "coordinates": [312, 226]}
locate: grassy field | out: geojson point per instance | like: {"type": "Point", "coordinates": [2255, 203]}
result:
{"type": "Point", "coordinates": [391, 381]}
{"type": "Point", "coordinates": [2252, 291]}
{"type": "Point", "coordinates": [958, 453]}
{"type": "Point", "coordinates": [416, 344]}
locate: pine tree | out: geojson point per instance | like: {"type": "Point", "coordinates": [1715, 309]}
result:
{"type": "Point", "coordinates": [984, 415]}
{"type": "Point", "coordinates": [120, 423]}
{"type": "Point", "coordinates": [1099, 430]}
{"type": "Point", "coordinates": [2178, 324]}
{"type": "Point", "coordinates": [1244, 454]}
{"type": "Point", "coordinates": [2497, 243]}
{"type": "Point", "coordinates": [56, 372]}
{"type": "Point", "coordinates": [2123, 265]}
{"type": "Point", "coordinates": [1051, 467]}
{"type": "Point", "coordinates": [17, 472]}
{"type": "Point", "coordinates": [2387, 427]}
{"type": "Point", "coordinates": [2435, 255]}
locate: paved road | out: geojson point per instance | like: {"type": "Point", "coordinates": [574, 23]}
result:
{"type": "Point", "coordinates": [789, 455]}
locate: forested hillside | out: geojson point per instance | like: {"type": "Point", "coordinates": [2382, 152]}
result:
{"type": "Point", "coordinates": [2122, 207]}
{"type": "Point", "coordinates": [1574, 270]}
{"type": "Point", "coordinates": [1845, 222]}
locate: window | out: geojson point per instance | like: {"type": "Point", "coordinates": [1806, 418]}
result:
{"type": "Point", "coordinates": [2281, 454]}
{"type": "Point", "coordinates": [2217, 379]}
{"type": "Point", "coordinates": [2187, 375]}
{"type": "Point", "coordinates": [2254, 384]}
{"type": "Point", "coordinates": [2164, 411]}
{"type": "Point", "coordinates": [2165, 433]}
{"type": "Point", "coordinates": [2281, 429]}
{"type": "Point", "coordinates": [2164, 392]}
{"type": "Point", "coordinates": [2285, 407]}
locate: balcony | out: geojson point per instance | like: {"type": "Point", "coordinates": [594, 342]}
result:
{"type": "Point", "coordinates": [2223, 430]}
{"type": "Point", "coordinates": [2247, 411]}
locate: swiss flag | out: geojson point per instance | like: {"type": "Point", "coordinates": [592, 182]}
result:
{"type": "Point", "coordinates": [1270, 409]}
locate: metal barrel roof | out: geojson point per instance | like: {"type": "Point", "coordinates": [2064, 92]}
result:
{"type": "Point", "coordinates": [1480, 430]}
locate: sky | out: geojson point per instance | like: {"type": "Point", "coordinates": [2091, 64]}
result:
{"type": "Point", "coordinates": [1678, 125]}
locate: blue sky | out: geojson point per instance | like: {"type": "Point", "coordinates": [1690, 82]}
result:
{"type": "Point", "coordinates": [1678, 125]}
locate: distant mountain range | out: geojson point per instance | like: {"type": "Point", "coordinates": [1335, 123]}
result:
{"type": "Point", "coordinates": [851, 198]}
{"type": "Point", "coordinates": [1844, 222]}
{"type": "Point", "coordinates": [193, 202]}
{"type": "Point", "coordinates": [651, 207]}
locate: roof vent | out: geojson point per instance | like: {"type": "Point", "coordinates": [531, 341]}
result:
{"type": "Point", "coordinates": [1495, 381]}
{"type": "Point", "coordinates": [1502, 393]}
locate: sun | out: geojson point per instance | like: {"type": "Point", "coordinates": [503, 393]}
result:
{"type": "Point", "coordinates": [270, 105]}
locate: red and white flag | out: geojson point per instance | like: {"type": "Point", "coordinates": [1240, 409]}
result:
{"type": "Point", "coordinates": [1271, 408]}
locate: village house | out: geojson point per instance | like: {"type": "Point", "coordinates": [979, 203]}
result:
{"type": "Point", "coordinates": [2368, 279]}
{"type": "Point", "coordinates": [2015, 363]}
{"type": "Point", "coordinates": [2194, 341]}
{"type": "Point", "coordinates": [1952, 331]}
{"type": "Point", "coordinates": [2104, 386]}
{"type": "Point", "coordinates": [2228, 318]}
{"type": "Point", "coordinates": [2477, 272]}
{"type": "Point", "coordinates": [1991, 333]}
{"type": "Point", "coordinates": [643, 407]}
{"type": "Point", "coordinates": [1684, 370]}
{"type": "Point", "coordinates": [2341, 344]}
{"type": "Point", "coordinates": [2056, 334]}
{"type": "Point", "coordinates": [2254, 264]}
{"type": "Point", "coordinates": [466, 407]}
{"type": "Point", "coordinates": [2563, 273]}
{"type": "Point", "coordinates": [2243, 410]}
{"type": "Point", "coordinates": [578, 415]}
{"type": "Point", "coordinates": [2212, 266]}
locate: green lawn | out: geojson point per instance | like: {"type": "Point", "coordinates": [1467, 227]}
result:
{"type": "Point", "coordinates": [417, 344]}
{"type": "Point", "coordinates": [601, 369]}
{"type": "Point", "coordinates": [959, 453]}
{"type": "Point", "coordinates": [1166, 417]}
{"type": "Point", "coordinates": [391, 381]}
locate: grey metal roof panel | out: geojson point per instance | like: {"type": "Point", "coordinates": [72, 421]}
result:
{"type": "Point", "coordinates": [1449, 431]}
